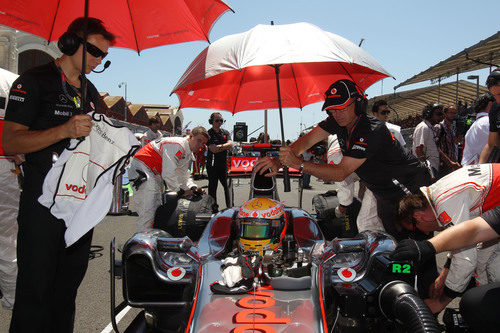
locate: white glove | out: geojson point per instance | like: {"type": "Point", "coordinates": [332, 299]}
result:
{"type": "Point", "coordinates": [232, 273]}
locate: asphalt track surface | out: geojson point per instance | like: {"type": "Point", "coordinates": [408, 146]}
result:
{"type": "Point", "coordinates": [93, 300]}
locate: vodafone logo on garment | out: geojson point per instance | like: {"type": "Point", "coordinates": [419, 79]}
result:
{"type": "Point", "coordinates": [76, 188]}
{"type": "Point", "coordinates": [176, 273]}
{"type": "Point", "coordinates": [346, 274]}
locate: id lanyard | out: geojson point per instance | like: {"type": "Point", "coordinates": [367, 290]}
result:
{"type": "Point", "coordinates": [64, 82]}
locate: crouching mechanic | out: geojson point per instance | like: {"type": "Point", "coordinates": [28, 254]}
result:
{"type": "Point", "coordinates": [163, 165]}
{"type": "Point", "coordinates": [467, 193]}
{"type": "Point", "coordinates": [260, 226]}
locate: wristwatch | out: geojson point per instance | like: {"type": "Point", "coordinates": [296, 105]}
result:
{"type": "Point", "coordinates": [302, 166]}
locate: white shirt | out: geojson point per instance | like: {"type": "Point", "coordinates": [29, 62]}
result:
{"type": "Point", "coordinates": [476, 138]}
{"type": "Point", "coordinates": [424, 135]}
{"type": "Point", "coordinates": [396, 131]}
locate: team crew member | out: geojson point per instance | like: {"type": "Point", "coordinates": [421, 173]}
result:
{"type": "Point", "coordinates": [493, 85]}
{"type": "Point", "coordinates": [464, 194]}
{"type": "Point", "coordinates": [165, 161]}
{"type": "Point", "coordinates": [425, 136]}
{"type": "Point", "coordinates": [368, 148]}
{"type": "Point", "coordinates": [380, 109]}
{"type": "Point", "coordinates": [479, 306]}
{"type": "Point", "coordinates": [44, 112]}
{"type": "Point", "coordinates": [218, 145]}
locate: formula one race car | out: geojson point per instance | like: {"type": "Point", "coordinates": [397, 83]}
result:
{"type": "Point", "coordinates": [264, 267]}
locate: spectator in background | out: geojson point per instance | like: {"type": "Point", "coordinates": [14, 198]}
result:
{"type": "Point", "coordinates": [306, 177]}
{"type": "Point", "coordinates": [380, 109]}
{"type": "Point", "coordinates": [424, 136]}
{"type": "Point", "coordinates": [493, 85]}
{"type": "Point", "coordinates": [477, 135]}
{"type": "Point", "coordinates": [447, 141]}
{"type": "Point", "coordinates": [218, 145]}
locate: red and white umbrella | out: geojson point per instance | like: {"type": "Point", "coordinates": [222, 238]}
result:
{"type": "Point", "coordinates": [238, 72]}
{"type": "Point", "coordinates": [274, 66]}
{"type": "Point", "coordinates": [138, 24]}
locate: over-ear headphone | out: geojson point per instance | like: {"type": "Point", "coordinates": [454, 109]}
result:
{"type": "Point", "coordinates": [361, 104]}
{"type": "Point", "coordinates": [69, 42]}
{"type": "Point", "coordinates": [429, 110]}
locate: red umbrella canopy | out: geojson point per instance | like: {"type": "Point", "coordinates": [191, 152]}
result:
{"type": "Point", "coordinates": [138, 24]}
{"type": "Point", "coordinates": [234, 72]}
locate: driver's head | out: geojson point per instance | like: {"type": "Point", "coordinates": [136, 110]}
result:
{"type": "Point", "coordinates": [261, 225]}
{"type": "Point", "coordinates": [416, 212]}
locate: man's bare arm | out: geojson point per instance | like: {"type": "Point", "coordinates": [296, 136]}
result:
{"type": "Point", "coordinates": [464, 234]}
{"type": "Point", "coordinates": [493, 140]}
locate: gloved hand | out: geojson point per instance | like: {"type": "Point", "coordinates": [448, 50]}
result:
{"type": "Point", "coordinates": [240, 267]}
{"type": "Point", "coordinates": [417, 251]}
{"type": "Point", "coordinates": [231, 273]}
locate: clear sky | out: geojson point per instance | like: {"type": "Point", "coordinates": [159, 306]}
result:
{"type": "Point", "coordinates": [405, 37]}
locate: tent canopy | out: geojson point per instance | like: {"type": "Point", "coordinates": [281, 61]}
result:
{"type": "Point", "coordinates": [411, 102]}
{"type": "Point", "coordinates": [484, 54]}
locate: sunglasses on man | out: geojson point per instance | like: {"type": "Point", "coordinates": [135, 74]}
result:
{"type": "Point", "coordinates": [218, 120]}
{"type": "Point", "coordinates": [94, 50]}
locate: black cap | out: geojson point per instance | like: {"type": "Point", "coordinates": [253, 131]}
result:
{"type": "Point", "coordinates": [338, 94]}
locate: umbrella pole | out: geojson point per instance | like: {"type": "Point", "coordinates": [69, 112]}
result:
{"type": "Point", "coordinates": [286, 176]}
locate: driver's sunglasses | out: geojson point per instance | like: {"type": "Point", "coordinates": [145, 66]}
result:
{"type": "Point", "coordinates": [219, 120]}
{"type": "Point", "coordinates": [385, 112]}
{"type": "Point", "coordinates": [94, 50]}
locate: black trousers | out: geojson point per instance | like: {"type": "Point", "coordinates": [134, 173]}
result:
{"type": "Point", "coordinates": [218, 173]}
{"type": "Point", "coordinates": [480, 308]}
{"type": "Point", "coordinates": [49, 274]}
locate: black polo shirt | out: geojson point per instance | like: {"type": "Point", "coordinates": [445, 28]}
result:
{"type": "Point", "coordinates": [385, 157]}
{"type": "Point", "coordinates": [37, 100]}
{"type": "Point", "coordinates": [495, 118]}
{"type": "Point", "coordinates": [217, 138]}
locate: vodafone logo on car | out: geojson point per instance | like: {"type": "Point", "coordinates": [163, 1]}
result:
{"type": "Point", "coordinates": [346, 274]}
{"type": "Point", "coordinates": [176, 273]}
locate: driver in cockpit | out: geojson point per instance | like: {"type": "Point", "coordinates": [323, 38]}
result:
{"type": "Point", "coordinates": [261, 225]}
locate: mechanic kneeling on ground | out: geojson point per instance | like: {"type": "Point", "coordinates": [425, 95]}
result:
{"type": "Point", "coordinates": [369, 149]}
{"type": "Point", "coordinates": [472, 192]}
{"type": "Point", "coordinates": [479, 306]}
{"type": "Point", "coordinates": [160, 162]}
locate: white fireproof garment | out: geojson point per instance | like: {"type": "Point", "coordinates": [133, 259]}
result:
{"type": "Point", "coordinates": [79, 187]}
{"type": "Point", "coordinates": [460, 196]}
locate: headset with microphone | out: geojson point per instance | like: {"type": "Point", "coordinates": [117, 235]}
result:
{"type": "Point", "coordinates": [106, 65]}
